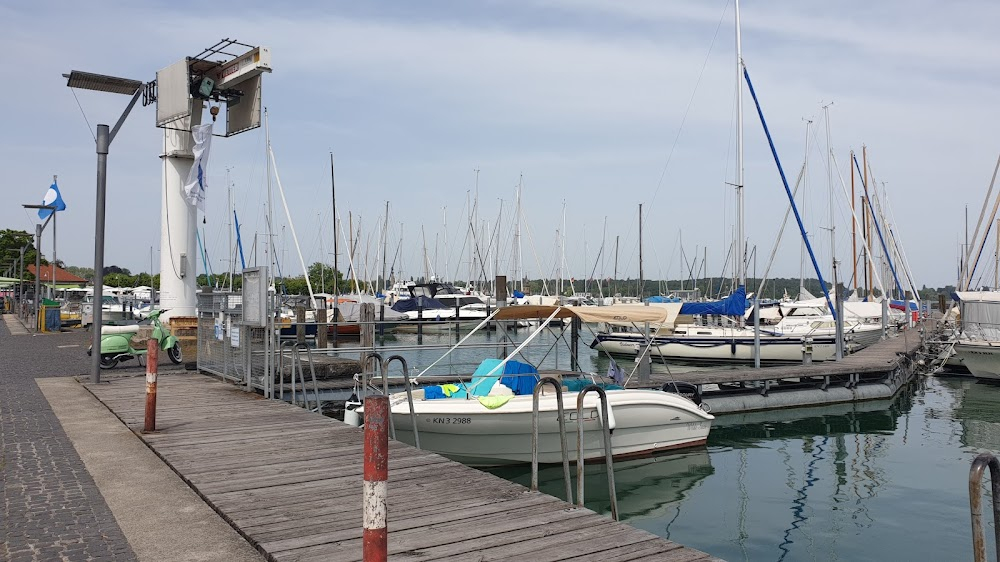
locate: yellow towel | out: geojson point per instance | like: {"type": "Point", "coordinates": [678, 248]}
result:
{"type": "Point", "coordinates": [449, 389]}
{"type": "Point", "coordinates": [494, 402]}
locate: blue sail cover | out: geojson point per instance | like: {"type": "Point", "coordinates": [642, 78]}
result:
{"type": "Point", "coordinates": [733, 305]}
{"type": "Point", "coordinates": [412, 304]}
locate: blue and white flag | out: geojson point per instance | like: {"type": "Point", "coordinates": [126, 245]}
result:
{"type": "Point", "coordinates": [52, 198]}
{"type": "Point", "coordinates": [197, 180]}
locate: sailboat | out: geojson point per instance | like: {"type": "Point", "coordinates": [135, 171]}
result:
{"type": "Point", "coordinates": [699, 342]}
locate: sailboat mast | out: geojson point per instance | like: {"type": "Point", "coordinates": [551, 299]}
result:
{"type": "Point", "coordinates": [269, 246]}
{"type": "Point", "coordinates": [322, 256]}
{"type": "Point", "coordinates": [805, 182]}
{"type": "Point", "coordinates": [517, 234]}
{"type": "Point", "coordinates": [740, 270]}
{"type": "Point", "coordinates": [385, 241]}
{"type": "Point", "coordinates": [829, 179]}
{"type": "Point", "coordinates": [333, 192]}
{"type": "Point", "coordinates": [868, 265]}
{"type": "Point", "coordinates": [232, 249]}
{"type": "Point", "coordinates": [616, 262]}
{"type": "Point", "coordinates": [641, 277]}
{"type": "Point", "coordinates": [854, 228]}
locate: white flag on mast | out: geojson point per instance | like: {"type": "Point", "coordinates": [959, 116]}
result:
{"type": "Point", "coordinates": [197, 180]}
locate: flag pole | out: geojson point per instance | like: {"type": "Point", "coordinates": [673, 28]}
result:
{"type": "Point", "coordinates": [53, 293]}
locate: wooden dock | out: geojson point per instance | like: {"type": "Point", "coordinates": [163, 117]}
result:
{"type": "Point", "coordinates": [290, 482]}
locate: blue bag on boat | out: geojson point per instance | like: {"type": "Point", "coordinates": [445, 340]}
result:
{"type": "Point", "coordinates": [433, 392]}
{"type": "Point", "coordinates": [520, 377]}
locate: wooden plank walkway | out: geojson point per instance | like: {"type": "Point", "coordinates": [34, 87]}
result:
{"type": "Point", "coordinates": [290, 482]}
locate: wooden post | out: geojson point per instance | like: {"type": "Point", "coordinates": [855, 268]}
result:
{"type": "Point", "coordinates": [367, 320]}
{"type": "Point", "coordinates": [300, 324]}
{"type": "Point", "coordinates": [420, 323]}
{"type": "Point", "coordinates": [375, 539]}
{"type": "Point", "coordinates": [321, 328]}
{"type": "Point", "coordinates": [152, 366]}
{"type": "Point", "coordinates": [574, 338]}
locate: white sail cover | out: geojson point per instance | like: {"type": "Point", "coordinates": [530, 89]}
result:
{"type": "Point", "coordinates": [622, 314]}
{"type": "Point", "coordinates": [197, 180]}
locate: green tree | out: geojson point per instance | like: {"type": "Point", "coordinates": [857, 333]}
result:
{"type": "Point", "coordinates": [322, 278]}
{"type": "Point", "coordinates": [84, 272]}
{"type": "Point", "coordinates": [11, 242]}
{"type": "Point", "coordinates": [119, 280]}
{"type": "Point", "coordinates": [115, 269]}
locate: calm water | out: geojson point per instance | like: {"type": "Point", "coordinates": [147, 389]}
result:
{"type": "Point", "coordinates": [884, 480]}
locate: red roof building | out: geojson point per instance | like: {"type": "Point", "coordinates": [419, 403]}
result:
{"type": "Point", "coordinates": [63, 277]}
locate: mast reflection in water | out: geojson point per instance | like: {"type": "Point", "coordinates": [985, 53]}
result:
{"type": "Point", "coordinates": [874, 480]}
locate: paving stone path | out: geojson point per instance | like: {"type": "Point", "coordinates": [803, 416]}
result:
{"type": "Point", "coordinates": [50, 508]}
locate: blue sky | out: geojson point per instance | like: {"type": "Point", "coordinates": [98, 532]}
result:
{"type": "Point", "coordinates": [599, 106]}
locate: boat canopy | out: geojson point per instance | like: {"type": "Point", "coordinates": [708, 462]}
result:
{"type": "Point", "coordinates": [976, 296]}
{"type": "Point", "coordinates": [980, 314]}
{"type": "Point", "coordinates": [611, 314]}
{"type": "Point", "coordinates": [733, 305]}
{"type": "Point", "coordinates": [414, 303]}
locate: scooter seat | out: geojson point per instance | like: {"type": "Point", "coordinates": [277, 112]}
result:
{"type": "Point", "coordinates": [131, 329]}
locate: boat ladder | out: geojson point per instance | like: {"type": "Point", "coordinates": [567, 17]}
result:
{"type": "Point", "coordinates": [976, 503]}
{"type": "Point", "coordinates": [560, 414]}
{"type": "Point", "coordinates": [383, 367]}
{"type": "Point", "coordinates": [297, 372]}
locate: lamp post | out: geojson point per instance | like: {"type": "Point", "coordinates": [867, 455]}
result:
{"type": "Point", "coordinates": [114, 85]}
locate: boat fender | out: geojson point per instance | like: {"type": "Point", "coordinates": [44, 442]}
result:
{"type": "Point", "coordinates": [351, 415]}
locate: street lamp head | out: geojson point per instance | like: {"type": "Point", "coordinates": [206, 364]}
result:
{"type": "Point", "coordinates": [102, 83]}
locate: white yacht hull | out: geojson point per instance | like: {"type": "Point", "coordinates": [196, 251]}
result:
{"type": "Point", "coordinates": [737, 346]}
{"type": "Point", "coordinates": [644, 421]}
{"type": "Point", "coordinates": [981, 358]}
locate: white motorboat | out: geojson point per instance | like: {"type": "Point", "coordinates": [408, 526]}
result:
{"type": "Point", "coordinates": [981, 358]}
{"type": "Point", "coordinates": [642, 421]}
{"type": "Point", "coordinates": [781, 342]}
{"type": "Point", "coordinates": [487, 421]}
{"type": "Point", "coordinates": [435, 307]}
{"type": "Point", "coordinates": [977, 343]}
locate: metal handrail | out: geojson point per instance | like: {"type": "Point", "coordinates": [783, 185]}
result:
{"type": "Point", "coordinates": [281, 371]}
{"type": "Point", "coordinates": [560, 415]}
{"type": "Point", "coordinates": [606, 434]}
{"type": "Point", "coordinates": [409, 393]}
{"type": "Point", "coordinates": [976, 504]}
{"type": "Point", "coordinates": [366, 358]}
{"type": "Point", "coordinates": [312, 372]}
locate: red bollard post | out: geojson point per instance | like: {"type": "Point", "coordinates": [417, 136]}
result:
{"type": "Point", "coordinates": [376, 535]}
{"type": "Point", "coordinates": [152, 360]}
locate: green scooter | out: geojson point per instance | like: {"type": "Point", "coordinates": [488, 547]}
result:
{"type": "Point", "coordinates": [117, 342]}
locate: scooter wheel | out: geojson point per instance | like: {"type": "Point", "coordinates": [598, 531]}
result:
{"type": "Point", "coordinates": [108, 361]}
{"type": "Point", "coordinates": [174, 353]}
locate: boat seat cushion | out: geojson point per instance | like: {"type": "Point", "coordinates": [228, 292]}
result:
{"type": "Point", "coordinates": [480, 385]}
